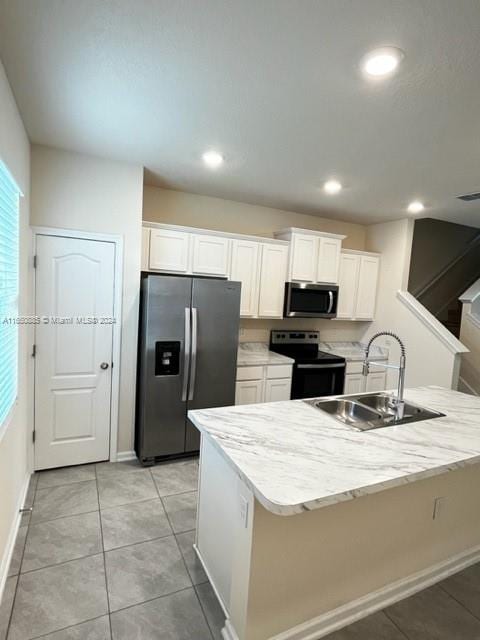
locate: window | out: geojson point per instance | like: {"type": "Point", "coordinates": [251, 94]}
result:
{"type": "Point", "coordinates": [9, 199]}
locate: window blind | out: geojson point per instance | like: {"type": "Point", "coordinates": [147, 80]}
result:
{"type": "Point", "coordinates": [9, 205]}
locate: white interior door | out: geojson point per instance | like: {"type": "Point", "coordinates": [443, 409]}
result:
{"type": "Point", "coordinates": [74, 285]}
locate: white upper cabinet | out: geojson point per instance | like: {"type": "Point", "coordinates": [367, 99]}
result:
{"type": "Point", "coordinates": [245, 269]}
{"type": "Point", "coordinates": [169, 250]}
{"type": "Point", "coordinates": [367, 287]}
{"type": "Point", "coordinates": [348, 284]}
{"type": "Point", "coordinates": [273, 273]}
{"type": "Point", "coordinates": [358, 285]}
{"type": "Point", "coordinates": [145, 248]}
{"type": "Point", "coordinates": [328, 260]}
{"type": "Point", "coordinates": [303, 258]}
{"type": "Point", "coordinates": [210, 255]}
{"type": "Point", "coordinates": [314, 256]}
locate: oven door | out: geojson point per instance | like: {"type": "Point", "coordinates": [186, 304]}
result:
{"type": "Point", "coordinates": [304, 300]}
{"type": "Point", "coordinates": [317, 380]}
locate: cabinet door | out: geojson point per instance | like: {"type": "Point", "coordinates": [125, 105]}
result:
{"type": "Point", "coordinates": [376, 381]}
{"type": "Point", "coordinates": [277, 390]}
{"type": "Point", "coordinates": [367, 288]}
{"type": "Point", "coordinates": [145, 248]}
{"type": "Point", "coordinates": [354, 383]}
{"type": "Point", "coordinates": [329, 260]}
{"type": "Point", "coordinates": [245, 270]}
{"type": "Point", "coordinates": [210, 255]}
{"type": "Point", "coordinates": [169, 250]}
{"type": "Point", "coordinates": [304, 258]}
{"type": "Point", "coordinates": [273, 273]}
{"type": "Point", "coordinates": [347, 285]}
{"type": "Point", "coordinates": [249, 392]}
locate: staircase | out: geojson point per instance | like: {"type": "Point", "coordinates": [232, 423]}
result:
{"type": "Point", "coordinates": [469, 380]}
{"type": "Point", "coordinates": [441, 293]}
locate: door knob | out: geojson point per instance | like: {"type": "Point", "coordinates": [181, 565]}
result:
{"type": "Point", "coordinates": [104, 365]}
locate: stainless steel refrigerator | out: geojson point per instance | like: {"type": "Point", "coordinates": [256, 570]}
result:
{"type": "Point", "coordinates": [187, 359]}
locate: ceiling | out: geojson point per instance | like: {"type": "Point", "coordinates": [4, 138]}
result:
{"type": "Point", "coordinates": [274, 85]}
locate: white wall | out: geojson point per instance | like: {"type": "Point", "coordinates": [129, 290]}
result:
{"type": "Point", "coordinates": [15, 443]}
{"type": "Point", "coordinates": [75, 191]}
{"type": "Point", "coordinates": [429, 361]}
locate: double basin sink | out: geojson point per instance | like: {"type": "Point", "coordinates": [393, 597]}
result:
{"type": "Point", "coordinates": [372, 411]}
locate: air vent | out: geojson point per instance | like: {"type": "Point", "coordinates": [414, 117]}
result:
{"type": "Point", "coordinates": [470, 196]}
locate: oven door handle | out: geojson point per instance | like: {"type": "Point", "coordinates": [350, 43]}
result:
{"type": "Point", "coordinates": [321, 366]}
{"type": "Point", "coordinates": [330, 305]}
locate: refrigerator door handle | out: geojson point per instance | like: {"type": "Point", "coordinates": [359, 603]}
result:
{"type": "Point", "coordinates": [193, 364]}
{"type": "Point", "coordinates": [186, 356]}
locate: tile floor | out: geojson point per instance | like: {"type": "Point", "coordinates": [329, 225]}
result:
{"type": "Point", "coordinates": [107, 554]}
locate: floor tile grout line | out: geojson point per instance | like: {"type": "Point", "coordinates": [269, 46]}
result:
{"type": "Point", "coordinates": [103, 554]}
{"type": "Point", "coordinates": [397, 626]}
{"type": "Point", "coordinates": [185, 564]}
{"type": "Point", "coordinates": [458, 601]}
{"type": "Point", "coordinates": [165, 595]}
{"type": "Point", "coordinates": [71, 626]}
{"type": "Point", "coordinates": [203, 611]}
{"type": "Point", "coordinates": [10, 617]}
{"type": "Point", "coordinates": [67, 515]}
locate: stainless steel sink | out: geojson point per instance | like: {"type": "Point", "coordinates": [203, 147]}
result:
{"type": "Point", "coordinates": [372, 411]}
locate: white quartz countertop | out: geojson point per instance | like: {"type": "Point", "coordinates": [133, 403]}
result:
{"type": "Point", "coordinates": [296, 458]}
{"type": "Point", "coordinates": [353, 350]}
{"type": "Point", "coordinates": [257, 353]}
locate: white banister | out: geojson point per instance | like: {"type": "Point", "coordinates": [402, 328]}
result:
{"type": "Point", "coordinates": [430, 321]}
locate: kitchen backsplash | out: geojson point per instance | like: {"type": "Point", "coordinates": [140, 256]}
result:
{"type": "Point", "coordinates": [330, 330]}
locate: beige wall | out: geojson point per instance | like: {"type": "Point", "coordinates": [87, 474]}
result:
{"type": "Point", "coordinates": [74, 191]}
{"type": "Point", "coordinates": [429, 361]}
{"type": "Point", "coordinates": [177, 207]}
{"type": "Point", "coordinates": [15, 443]}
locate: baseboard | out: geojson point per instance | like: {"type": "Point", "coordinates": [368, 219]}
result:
{"type": "Point", "coordinates": [362, 607]}
{"type": "Point", "coordinates": [351, 612]}
{"type": "Point", "coordinates": [12, 537]}
{"type": "Point", "coordinates": [123, 456]}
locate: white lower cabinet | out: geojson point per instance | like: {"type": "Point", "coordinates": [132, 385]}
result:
{"type": "Point", "coordinates": [248, 391]}
{"type": "Point", "coordinates": [263, 384]}
{"type": "Point", "coordinates": [354, 383]}
{"type": "Point", "coordinates": [277, 390]}
{"type": "Point", "coordinates": [376, 381]}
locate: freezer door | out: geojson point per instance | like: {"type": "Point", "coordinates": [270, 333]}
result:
{"type": "Point", "coordinates": [215, 326]}
{"type": "Point", "coordinates": [164, 365]}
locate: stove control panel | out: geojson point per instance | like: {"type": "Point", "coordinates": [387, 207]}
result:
{"type": "Point", "coordinates": [294, 337]}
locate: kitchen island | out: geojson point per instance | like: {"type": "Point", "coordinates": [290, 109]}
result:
{"type": "Point", "coordinates": [306, 524]}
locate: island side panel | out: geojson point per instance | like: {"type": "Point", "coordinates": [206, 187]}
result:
{"type": "Point", "coordinates": [224, 531]}
{"type": "Point", "coordinates": [307, 565]}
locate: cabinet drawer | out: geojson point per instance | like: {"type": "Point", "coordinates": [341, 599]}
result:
{"type": "Point", "coordinates": [354, 367]}
{"type": "Point", "coordinates": [249, 373]}
{"type": "Point", "coordinates": [276, 371]}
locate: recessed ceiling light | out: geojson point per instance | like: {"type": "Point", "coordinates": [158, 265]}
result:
{"type": "Point", "coordinates": [416, 206]}
{"type": "Point", "coordinates": [382, 62]}
{"type": "Point", "coordinates": [212, 159]}
{"type": "Point", "coordinates": [332, 187]}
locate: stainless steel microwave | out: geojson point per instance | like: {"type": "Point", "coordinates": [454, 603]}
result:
{"type": "Point", "coordinates": [304, 300]}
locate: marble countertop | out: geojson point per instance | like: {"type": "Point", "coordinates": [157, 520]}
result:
{"type": "Point", "coordinates": [296, 458]}
{"type": "Point", "coordinates": [354, 350]}
{"type": "Point", "coordinates": [257, 353]}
